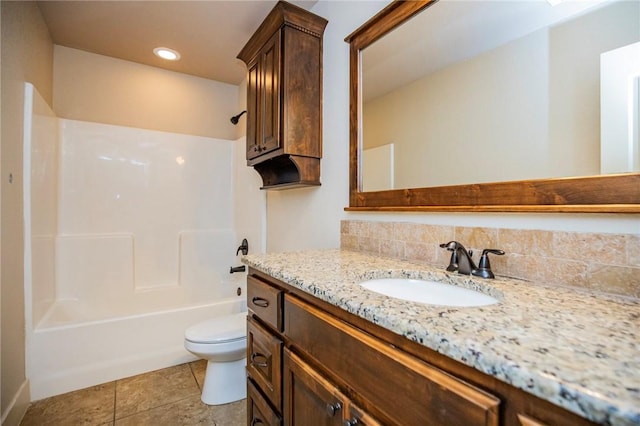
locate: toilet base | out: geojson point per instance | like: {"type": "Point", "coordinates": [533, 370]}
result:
{"type": "Point", "coordinates": [224, 382]}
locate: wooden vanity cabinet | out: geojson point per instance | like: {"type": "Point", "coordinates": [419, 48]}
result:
{"type": "Point", "coordinates": [284, 97]}
{"type": "Point", "coordinates": [311, 363]}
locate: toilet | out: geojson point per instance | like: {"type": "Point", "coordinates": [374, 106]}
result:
{"type": "Point", "coordinates": [222, 341]}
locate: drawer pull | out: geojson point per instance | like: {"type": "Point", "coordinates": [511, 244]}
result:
{"type": "Point", "coordinates": [259, 301]}
{"type": "Point", "coordinates": [352, 422]}
{"type": "Point", "coordinates": [332, 409]}
{"type": "Point", "coordinates": [259, 360]}
{"type": "Point", "coordinates": [256, 421]}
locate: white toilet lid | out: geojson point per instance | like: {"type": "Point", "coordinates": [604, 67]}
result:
{"type": "Point", "coordinates": [218, 330]}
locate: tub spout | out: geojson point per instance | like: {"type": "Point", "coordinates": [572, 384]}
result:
{"type": "Point", "coordinates": [237, 269]}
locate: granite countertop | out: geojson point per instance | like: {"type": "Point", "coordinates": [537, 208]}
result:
{"type": "Point", "coordinates": [576, 349]}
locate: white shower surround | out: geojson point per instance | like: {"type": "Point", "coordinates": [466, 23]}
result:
{"type": "Point", "coordinates": [134, 245]}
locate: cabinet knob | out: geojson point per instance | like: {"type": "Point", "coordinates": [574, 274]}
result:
{"type": "Point", "coordinates": [352, 422]}
{"type": "Point", "coordinates": [332, 409]}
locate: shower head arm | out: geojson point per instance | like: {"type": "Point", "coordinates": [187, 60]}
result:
{"type": "Point", "coordinates": [235, 118]}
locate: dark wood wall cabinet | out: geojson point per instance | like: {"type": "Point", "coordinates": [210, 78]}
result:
{"type": "Point", "coordinates": [310, 363]}
{"type": "Point", "coordinates": [284, 97]}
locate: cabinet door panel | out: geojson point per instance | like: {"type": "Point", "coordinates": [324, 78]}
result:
{"type": "Point", "coordinates": [253, 112]}
{"type": "Point", "coordinates": [269, 135]}
{"type": "Point", "coordinates": [264, 361]}
{"type": "Point", "coordinates": [309, 399]}
{"type": "Point", "coordinates": [302, 106]}
{"type": "Point", "coordinates": [405, 390]}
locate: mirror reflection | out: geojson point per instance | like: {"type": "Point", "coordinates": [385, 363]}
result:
{"type": "Point", "coordinates": [528, 91]}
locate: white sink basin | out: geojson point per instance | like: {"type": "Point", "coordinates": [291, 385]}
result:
{"type": "Point", "coordinates": [428, 292]}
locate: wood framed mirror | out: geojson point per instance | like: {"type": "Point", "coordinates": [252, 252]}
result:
{"type": "Point", "coordinates": [617, 192]}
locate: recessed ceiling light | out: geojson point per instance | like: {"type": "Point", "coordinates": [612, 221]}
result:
{"type": "Point", "coordinates": [166, 53]}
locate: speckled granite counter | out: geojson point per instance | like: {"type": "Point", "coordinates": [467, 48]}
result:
{"type": "Point", "coordinates": [577, 350]}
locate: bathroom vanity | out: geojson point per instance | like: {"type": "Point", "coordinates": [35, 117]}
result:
{"type": "Point", "coordinates": [323, 350]}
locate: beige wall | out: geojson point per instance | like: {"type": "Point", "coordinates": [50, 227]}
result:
{"type": "Point", "coordinates": [27, 55]}
{"type": "Point", "coordinates": [101, 89]}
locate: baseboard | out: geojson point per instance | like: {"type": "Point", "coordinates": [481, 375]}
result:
{"type": "Point", "coordinates": [18, 406]}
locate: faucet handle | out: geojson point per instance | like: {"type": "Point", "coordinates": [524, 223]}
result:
{"type": "Point", "coordinates": [484, 266]}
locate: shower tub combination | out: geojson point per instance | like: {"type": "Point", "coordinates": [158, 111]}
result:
{"type": "Point", "coordinates": [129, 236]}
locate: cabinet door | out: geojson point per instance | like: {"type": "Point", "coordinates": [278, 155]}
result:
{"type": "Point", "coordinates": [310, 400]}
{"type": "Point", "coordinates": [269, 92]}
{"type": "Point", "coordinates": [253, 111]}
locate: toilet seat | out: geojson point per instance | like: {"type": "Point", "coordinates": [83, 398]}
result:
{"type": "Point", "coordinates": [226, 328]}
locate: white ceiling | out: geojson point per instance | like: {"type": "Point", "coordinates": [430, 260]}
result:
{"type": "Point", "coordinates": [208, 34]}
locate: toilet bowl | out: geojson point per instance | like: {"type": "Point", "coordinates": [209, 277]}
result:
{"type": "Point", "coordinates": [222, 341]}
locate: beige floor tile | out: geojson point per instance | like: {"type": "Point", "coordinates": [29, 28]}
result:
{"type": "Point", "coordinates": [157, 388]}
{"type": "Point", "coordinates": [199, 369]}
{"type": "Point", "coordinates": [234, 414]}
{"type": "Point", "coordinates": [165, 397]}
{"type": "Point", "coordinates": [91, 406]}
{"type": "Point", "coordinates": [188, 411]}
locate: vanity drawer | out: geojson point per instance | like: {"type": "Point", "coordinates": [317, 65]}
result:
{"type": "Point", "coordinates": [259, 412]}
{"type": "Point", "coordinates": [404, 389]}
{"type": "Point", "coordinates": [265, 301]}
{"type": "Point", "coordinates": [264, 361]}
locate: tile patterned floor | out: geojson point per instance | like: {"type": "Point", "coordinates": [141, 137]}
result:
{"type": "Point", "coordinates": [164, 397]}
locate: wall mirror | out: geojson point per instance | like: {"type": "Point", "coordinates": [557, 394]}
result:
{"type": "Point", "coordinates": [496, 106]}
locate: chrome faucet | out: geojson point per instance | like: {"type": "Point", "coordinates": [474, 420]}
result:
{"type": "Point", "coordinates": [462, 262]}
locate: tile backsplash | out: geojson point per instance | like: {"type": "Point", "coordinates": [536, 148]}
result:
{"type": "Point", "coordinates": [608, 263]}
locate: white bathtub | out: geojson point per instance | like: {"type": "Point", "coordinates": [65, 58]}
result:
{"type": "Point", "coordinates": [86, 353]}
